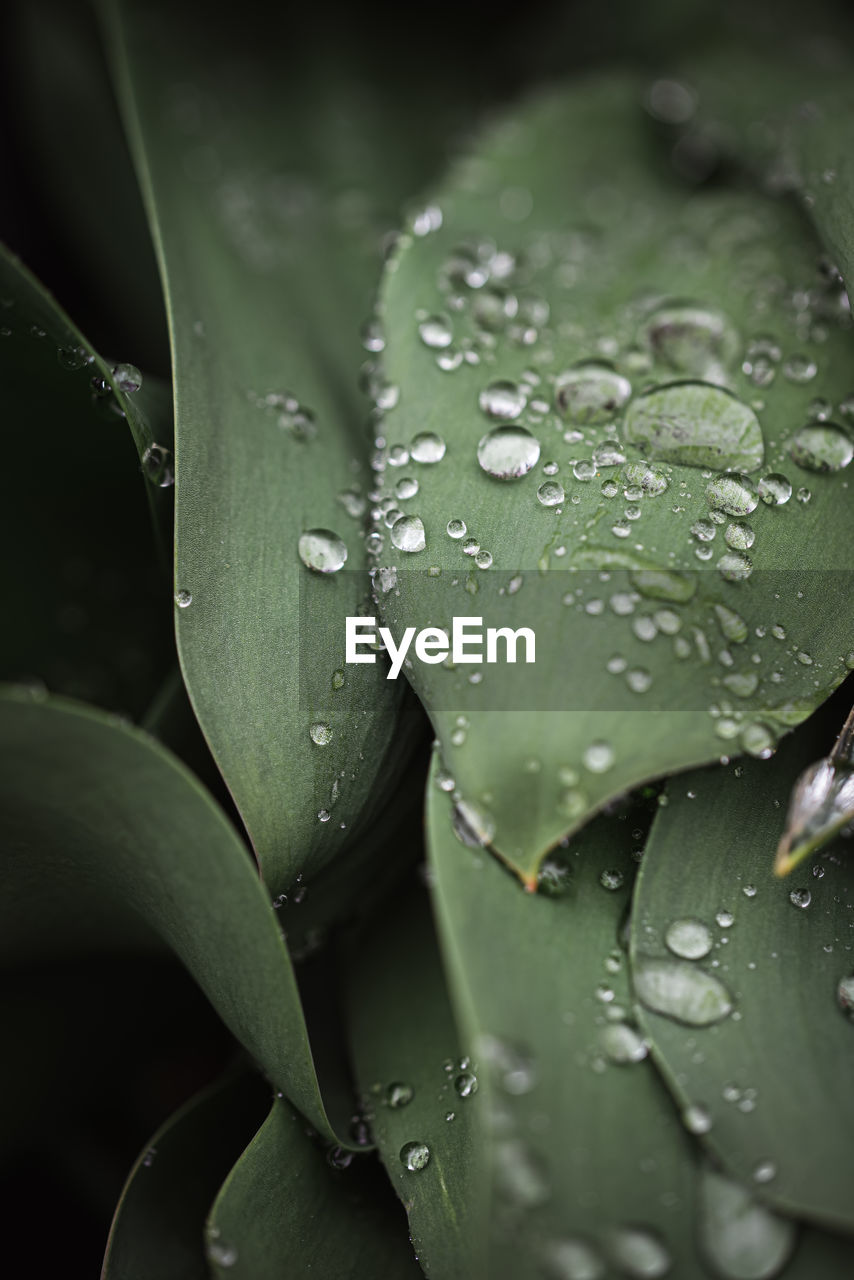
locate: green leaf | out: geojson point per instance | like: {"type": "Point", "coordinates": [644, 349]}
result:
{"type": "Point", "coordinates": [75, 514]}
{"type": "Point", "coordinates": [158, 1227]}
{"type": "Point", "coordinates": [662, 638]}
{"type": "Point", "coordinates": [417, 1088]}
{"type": "Point", "coordinates": [590, 1163]}
{"type": "Point", "coordinates": [104, 829]}
{"type": "Point", "coordinates": [269, 267]}
{"type": "Point", "coordinates": [284, 1211]}
{"type": "Point", "coordinates": [773, 1077]}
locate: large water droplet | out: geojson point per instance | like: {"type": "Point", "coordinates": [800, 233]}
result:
{"type": "Point", "coordinates": [647, 478]}
{"type": "Point", "coordinates": [740, 1237]}
{"type": "Point", "coordinates": [503, 400]}
{"type": "Point", "coordinates": [681, 991]}
{"type": "Point", "coordinates": [591, 392]}
{"type": "Point", "coordinates": [407, 534]}
{"type": "Point", "coordinates": [508, 452]}
{"type": "Point", "coordinates": [821, 446]}
{"type": "Point", "coordinates": [696, 424]}
{"type": "Point", "coordinates": [693, 340]}
{"type": "Point", "coordinates": [322, 550]}
{"type": "Point", "coordinates": [690, 939]}
{"type": "Point", "coordinates": [415, 1156]}
{"type": "Point", "coordinates": [775, 489]}
{"type": "Point", "coordinates": [127, 377]}
{"type": "Point", "coordinates": [735, 494]}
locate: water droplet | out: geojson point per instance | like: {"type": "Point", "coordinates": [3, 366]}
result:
{"type": "Point", "coordinates": [599, 757]}
{"type": "Point", "coordinates": [472, 825]}
{"type": "Point", "coordinates": [845, 995]}
{"type": "Point", "coordinates": [821, 446]}
{"type": "Point", "coordinates": [554, 877]}
{"type": "Point", "coordinates": [725, 919]}
{"type": "Point", "coordinates": [427, 448]}
{"type": "Point", "coordinates": [584, 469]}
{"type": "Point", "coordinates": [644, 477]}
{"type": "Point", "coordinates": [639, 1254]}
{"type": "Point", "coordinates": [735, 566]}
{"type": "Point", "coordinates": [407, 534]}
{"type": "Point", "coordinates": [690, 939]}
{"type": "Point", "coordinates": [749, 891]}
{"type": "Point", "coordinates": [372, 336]}
{"type": "Point", "coordinates": [803, 495]}
{"type": "Point", "coordinates": [696, 1118]}
{"type": "Point", "coordinates": [183, 598]}
{"type": "Point", "coordinates": [436, 332]}
{"type": "Point", "coordinates": [732, 625]}
{"type": "Point", "coordinates": [323, 815]}
{"type": "Point", "coordinates": [127, 377]}
{"type": "Point", "coordinates": [735, 494]}
{"type": "Point", "coordinates": [456, 528]}
{"type": "Point", "coordinates": [693, 340]}
{"type": "Point", "coordinates": [520, 1174]}
{"type": "Point", "coordinates": [800, 898]}
{"type": "Point", "coordinates": [471, 546]}
{"type": "Point", "coordinates": [571, 1259]}
{"type": "Point", "coordinates": [221, 1254]}
{"type": "Point", "coordinates": [612, 879]}
{"type": "Point", "coordinates": [681, 991]}
{"type": "Point", "coordinates": [508, 452]}
{"type": "Point", "coordinates": [513, 1064]}
{"type": "Point", "coordinates": [739, 535]}
{"type": "Point", "coordinates": [399, 1094]}
{"type": "Point", "coordinates": [741, 1238]}
{"type": "Point", "coordinates": [774, 489]}
{"type": "Point", "coordinates": [800, 368]}
{"type": "Point", "coordinates": [503, 400]}
{"type": "Point", "coordinates": [415, 1156]}
{"type": "Point", "coordinates": [758, 740]}
{"type": "Point", "coordinates": [765, 1171]}
{"type": "Point", "coordinates": [608, 454]}
{"type": "Point", "coordinates": [320, 733]}
{"type": "Point", "coordinates": [551, 493]}
{"type": "Point", "coordinates": [322, 550]}
{"type": "Point", "coordinates": [466, 1084]}
{"type": "Point", "coordinates": [696, 424]}
{"type": "Point", "coordinates": [406, 488]}
{"type": "Point", "coordinates": [622, 1044]}
{"type": "Point", "coordinates": [591, 392]}
{"type": "Point", "coordinates": [158, 466]}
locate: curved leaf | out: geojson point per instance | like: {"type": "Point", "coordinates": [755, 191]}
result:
{"type": "Point", "coordinates": [75, 514]}
{"type": "Point", "coordinates": [773, 1078]}
{"type": "Point", "coordinates": [104, 829]}
{"type": "Point", "coordinates": [591, 1164]}
{"type": "Point", "coordinates": [268, 271]}
{"type": "Point", "coordinates": [284, 1211]}
{"type": "Point", "coordinates": [562, 242]}
{"type": "Point", "coordinates": [158, 1228]}
{"type": "Point", "coordinates": [417, 1088]}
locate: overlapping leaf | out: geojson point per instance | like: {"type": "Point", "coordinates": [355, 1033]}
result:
{"type": "Point", "coordinates": [105, 831]}
{"type": "Point", "coordinates": [562, 242]}
{"type": "Point", "coordinates": [772, 1078]}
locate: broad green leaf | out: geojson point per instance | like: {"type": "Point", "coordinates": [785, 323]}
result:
{"type": "Point", "coordinates": [158, 1228]}
{"type": "Point", "coordinates": [772, 1078]}
{"type": "Point", "coordinates": [268, 222]}
{"type": "Point", "coordinates": [590, 1163]}
{"type": "Point", "coordinates": [80, 568]}
{"type": "Point", "coordinates": [103, 829]}
{"type": "Point", "coordinates": [680, 612]}
{"type": "Point", "coordinates": [419, 1093]}
{"type": "Point", "coordinates": [284, 1211]}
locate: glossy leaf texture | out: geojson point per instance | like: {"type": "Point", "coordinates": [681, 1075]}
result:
{"type": "Point", "coordinates": [635, 466]}
{"type": "Point", "coordinates": [84, 576]}
{"type": "Point", "coordinates": [284, 1210]}
{"type": "Point", "coordinates": [419, 1093]}
{"type": "Point", "coordinates": [106, 832]}
{"type": "Point", "coordinates": [158, 1228]}
{"type": "Point", "coordinates": [591, 1165]}
{"type": "Point", "coordinates": [268, 225]}
{"type": "Point", "coordinates": [773, 1077]}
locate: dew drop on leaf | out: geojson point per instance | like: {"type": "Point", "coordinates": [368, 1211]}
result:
{"type": "Point", "coordinates": [506, 453]}
{"type": "Point", "coordinates": [322, 551]}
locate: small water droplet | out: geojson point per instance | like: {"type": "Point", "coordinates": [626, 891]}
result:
{"type": "Point", "coordinates": [774, 489]}
{"type": "Point", "coordinates": [800, 368]}
{"type": "Point", "coordinates": [735, 494]}
{"type": "Point", "coordinates": [456, 528]}
{"type": "Point", "coordinates": [427, 448]}
{"type": "Point", "coordinates": [322, 551]}
{"type": "Point", "coordinates": [407, 534]}
{"type": "Point", "coordinates": [128, 378]}
{"type": "Point", "coordinates": [506, 453]}
{"type": "Point", "coordinates": [765, 1171]}
{"type": "Point", "coordinates": [183, 598]}
{"type": "Point", "coordinates": [436, 332]}
{"type": "Point", "coordinates": [612, 879]}
{"type": "Point", "coordinates": [696, 1118]}
{"type": "Point", "coordinates": [571, 1259]}
{"type": "Point", "coordinates": [405, 488]}
{"type": "Point", "coordinates": [821, 446]}
{"type": "Point", "coordinates": [415, 1156]}
{"type": "Point", "coordinates": [472, 825]}
{"type": "Point", "coordinates": [800, 898]}
{"type": "Point", "coordinates": [466, 1084]}
{"type": "Point", "coordinates": [639, 1254]}
{"type": "Point", "coordinates": [690, 939]}
{"type": "Point", "coordinates": [551, 493]}
{"type": "Point", "coordinates": [735, 566]}
{"type": "Point", "coordinates": [320, 733]}
{"type": "Point", "coordinates": [622, 1044]}
{"type": "Point", "coordinates": [591, 392]}
{"type": "Point", "coordinates": [503, 400]}
{"type": "Point", "coordinates": [399, 1094]}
